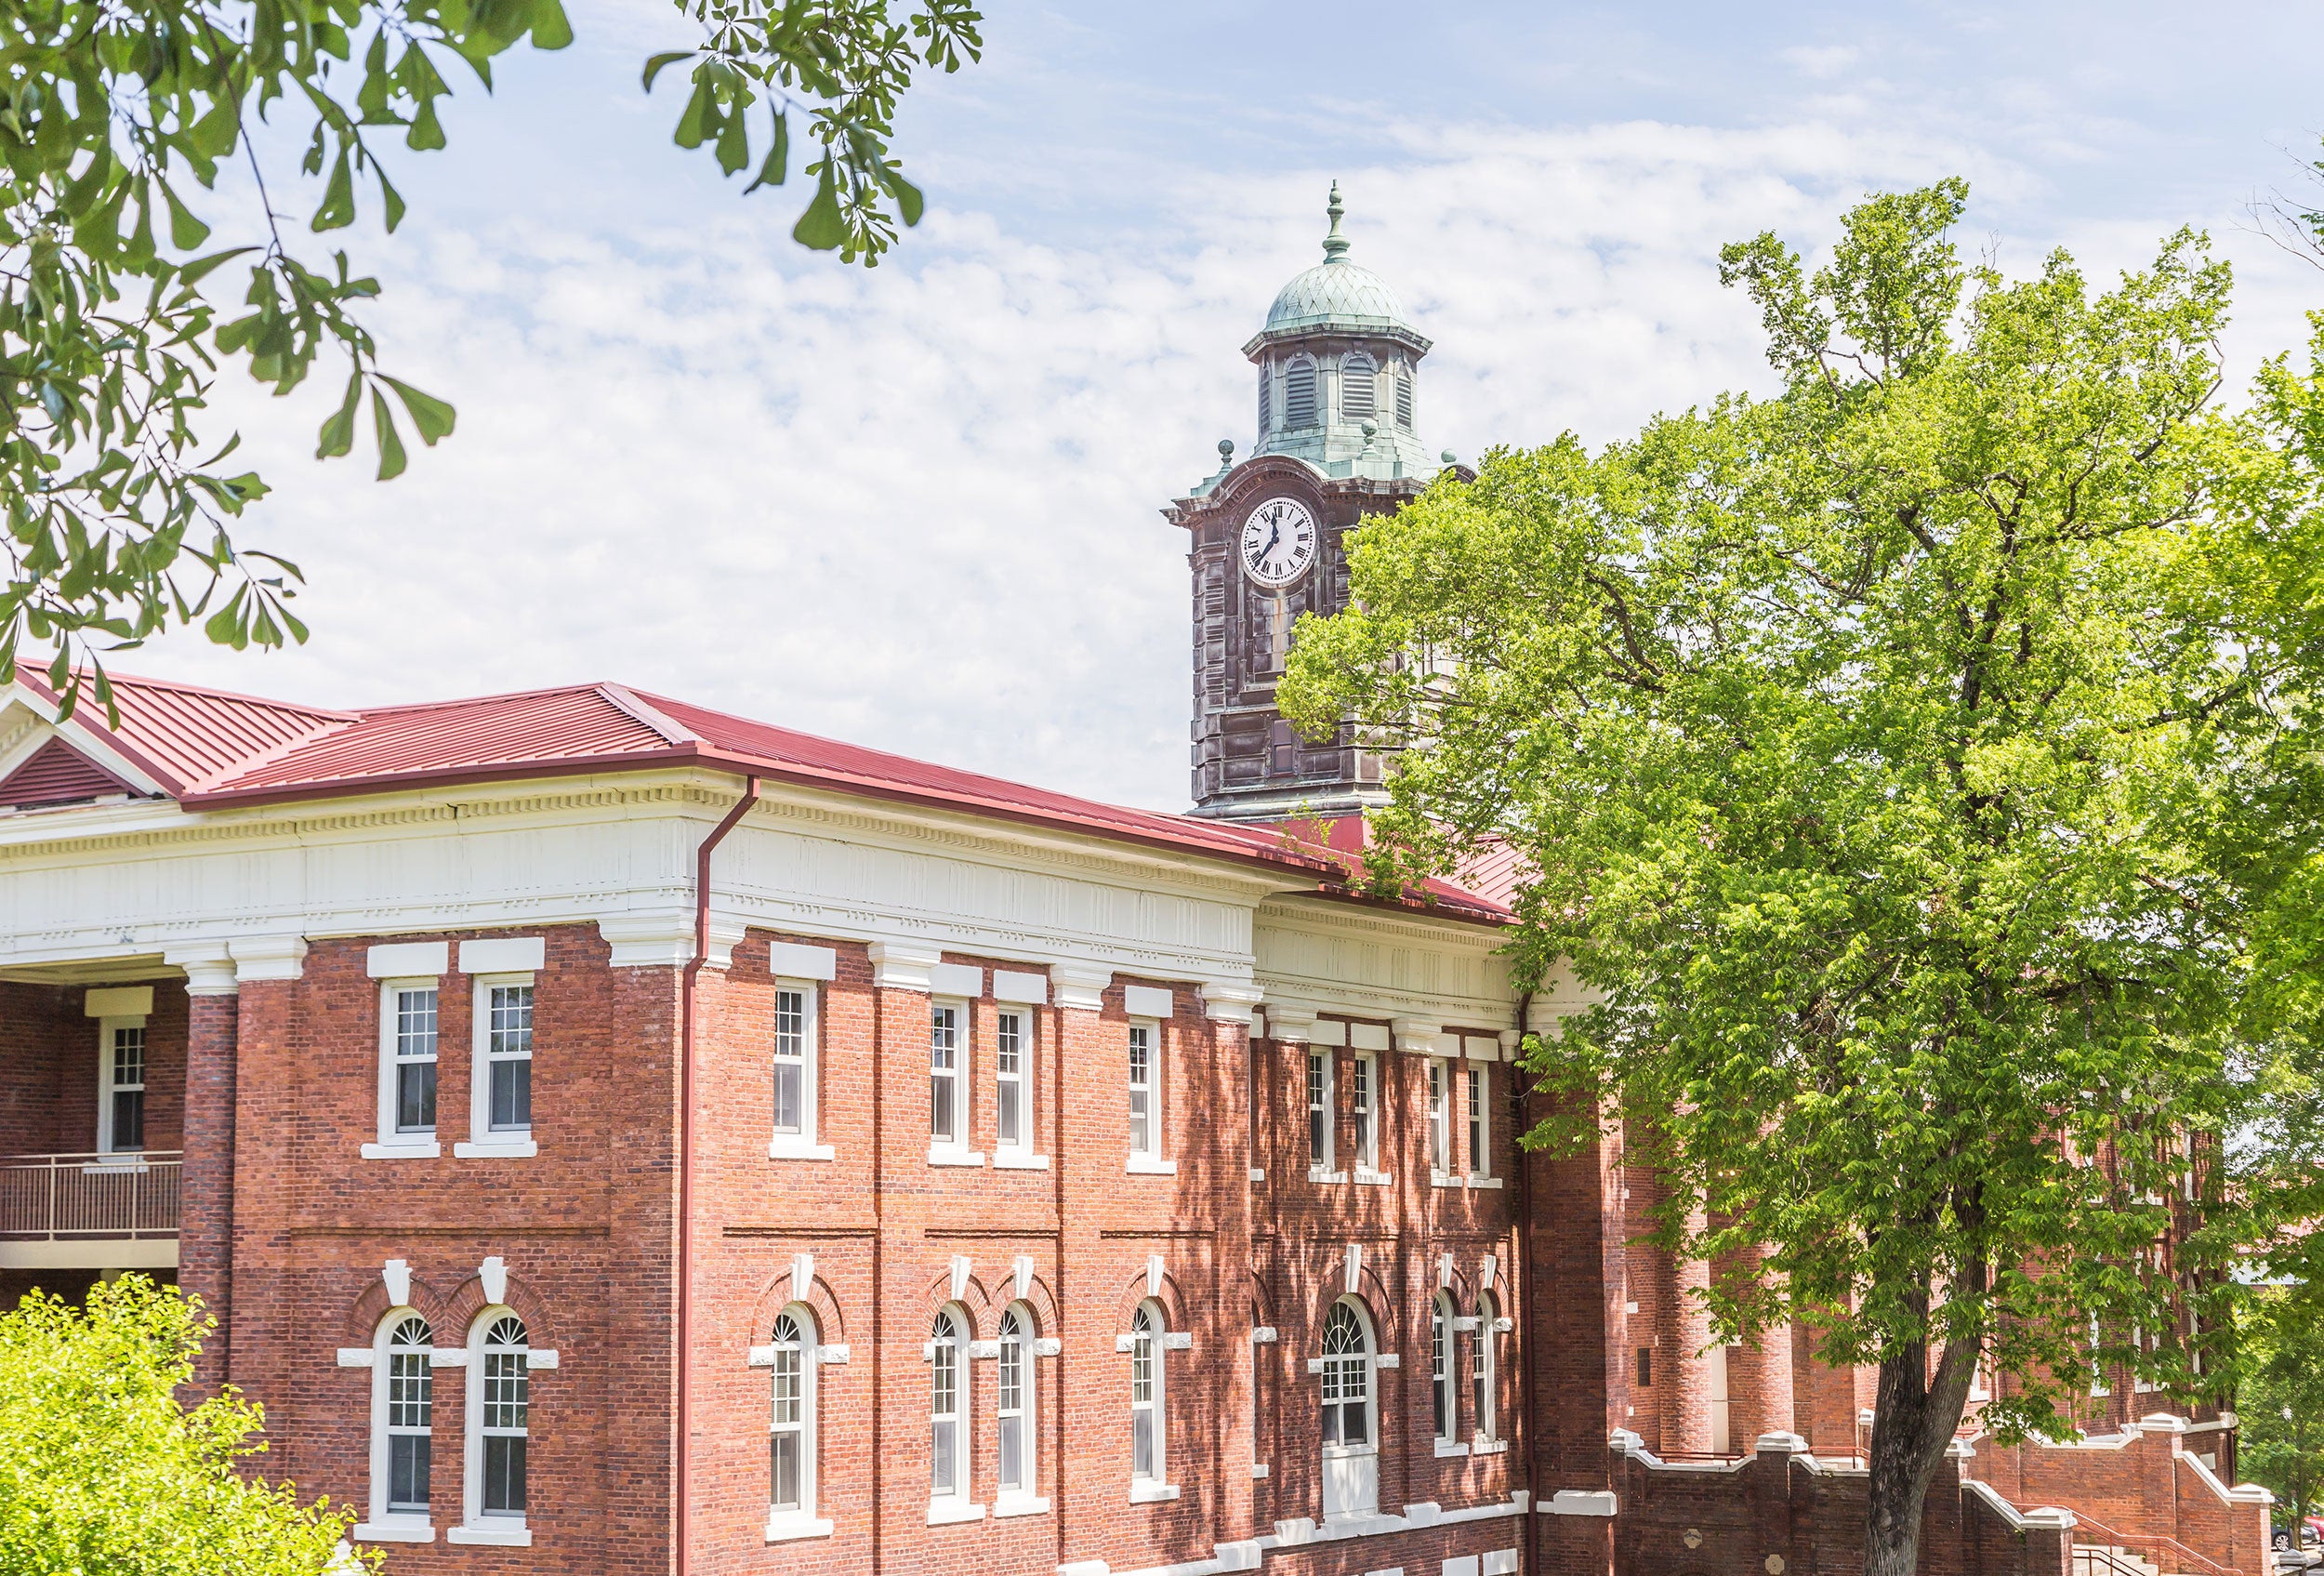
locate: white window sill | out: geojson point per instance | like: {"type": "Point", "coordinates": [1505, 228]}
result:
{"type": "Point", "coordinates": [516, 1535]}
{"type": "Point", "coordinates": [1370, 1178]}
{"type": "Point", "coordinates": [1325, 1177]}
{"type": "Point", "coordinates": [1484, 1182]}
{"type": "Point", "coordinates": [1490, 1447]}
{"type": "Point", "coordinates": [947, 1512]}
{"type": "Point", "coordinates": [1258, 1174]}
{"type": "Point", "coordinates": [1443, 1179]}
{"type": "Point", "coordinates": [394, 1530]}
{"type": "Point", "coordinates": [1151, 1493]}
{"type": "Point", "coordinates": [1258, 1469]}
{"type": "Point", "coordinates": [1018, 1159]}
{"type": "Point", "coordinates": [508, 1145]}
{"type": "Point", "coordinates": [417, 1150]}
{"type": "Point", "coordinates": [1147, 1165]}
{"type": "Point", "coordinates": [1020, 1505]}
{"type": "Point", "coordinates": [792, 1146]}
{"type": "Point", "coordinates": [1451, 1448]}
{"type": "Point", "coordinates": [789, 1525]}
{"type": "Point", "coordinates": [953, 1155]}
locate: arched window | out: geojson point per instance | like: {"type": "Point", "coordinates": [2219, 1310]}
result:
{"type": "Point", "coordinates": [499, 1404]}
{"type": "Point", "coordinates": [1148, 1446]}
{"type": "Point", "coordinates": [1298, 395]}
{"type": "Point", "coordinates": [1015, 1410]}
{"type": "Point", "coordinates": [1404, 397]}
{"type": "Point", "coordinates": [1347, 1378]}
{"type": "Point", "coordinates": [1482, 1366]}
{"type": "Point", "coordinates": [402, 1409]}
{"type": "Point", "coordinates": [948, 1408]}
{"type": "Point", "coordinates": [1440, 1367]}
{"type": "Point", "coordinates": [791, 1417]}
{"type": "Point", "coordinates": [1266, 401]}
{"type": "Point", "coordinates": [1358, 388]}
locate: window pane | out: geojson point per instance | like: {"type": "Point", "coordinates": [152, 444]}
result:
{"type": "Point", "coordinates": [511, 1020]}
{"type": "Point", "coordinates": [415, 1097]}
{"type": "Point", "coordinates": [940, 1463]}
{"type": "Point", "coordinates": [940, 1124]}
{"type": "Point", "coordinates": [1142, 1443]}
{"type": "Point", "coordinates": [129, 1118]}
{"type": "Point", "coordinates": [1141, 1125]}
{"type": "Point", "coordinates": [789, 1083]}
{"type": "Point", "coordinates": [783, 1470]}
{"type": "Point", "coordinates": [407, 1472]}
{"type": "Point", "coordinates": [415, 1023]}
{"type": "Point", "coordinates": [512, 1094]}
{"type": "Point", "coordinates": [504, 1475]}
{"type": "Point", "coordinates": [1012, 1452]}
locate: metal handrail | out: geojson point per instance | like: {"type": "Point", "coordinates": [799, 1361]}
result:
{"type": "Point", "coordinates": [2178, 1552]}
{"type": "Point", "coordinates": [68, 1198]}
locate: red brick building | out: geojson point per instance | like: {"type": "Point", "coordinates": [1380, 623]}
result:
{"type": "Point", "coordinates": [616, 1136]}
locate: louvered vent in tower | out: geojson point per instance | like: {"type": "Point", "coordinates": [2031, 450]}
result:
{"type": "Point", "coordinates": [1358, 388]}
{"type": "Point", "coordinates": [1298, 395]}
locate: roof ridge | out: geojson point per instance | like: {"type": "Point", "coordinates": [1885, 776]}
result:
{"type": "Point", "coordinates": [628, 701]}
{"type": "Point", "coordinates": [371, 712]}
{"type": "Point", "coordinates": [144, 682]}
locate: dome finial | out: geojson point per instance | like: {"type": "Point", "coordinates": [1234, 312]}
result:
{"type": "Point", "coordinates": [1335, 243]}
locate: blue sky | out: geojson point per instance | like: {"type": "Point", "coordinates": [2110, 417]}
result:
{"type": "Point", "coordinates": [917, 507]}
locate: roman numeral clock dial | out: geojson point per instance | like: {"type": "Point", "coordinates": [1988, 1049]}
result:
{"type": "Point", "coordinates": [1278, 542]}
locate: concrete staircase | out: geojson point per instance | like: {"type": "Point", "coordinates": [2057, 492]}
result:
{"type": "Point", "coordinates": [2098, 1559]}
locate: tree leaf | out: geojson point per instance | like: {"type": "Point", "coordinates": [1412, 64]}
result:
{"type": "Point", "coordinates": [339, 198]}
{"type": "Point", "coordinates": [391, 459]}
{"type": "Point", "coordinates": [821, 225]}
{"type": "Point", "coordinates": [551, 29]}
{"type": "Point", "coordinates": [433, 417]}
{"type": "Point", "coordinates": [337, 436]}
{"type": "Point", "coordinates": [653, 67]}
{"type": "Point", "coordinates": [701, 110]}
{"type": "Point", "coordinates": [186, 231]}
{"type": "Point", "coordinates": [777, 166]}
{"type": "Point", "coordinates": [734, 148]}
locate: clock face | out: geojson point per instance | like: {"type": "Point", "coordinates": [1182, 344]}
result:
{"type": "Point", "coordinates": [1278, 542]}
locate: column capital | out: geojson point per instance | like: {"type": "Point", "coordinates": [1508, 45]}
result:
{"type": "Point", "coordinates": [268, 957]}
{"type": "Point", "coordinates": [904, 965]}
{"type": "Point", "coordinates": [1230, 1002]}
{"type": "Point", "coordinates": [1293, 1025]}
{"type": "Point", "coordinates": [1080, 987]}
{"type": "Point", "coordinates": [1418, 1035]}
{"type": "Point", "coordinates": [209, 967]}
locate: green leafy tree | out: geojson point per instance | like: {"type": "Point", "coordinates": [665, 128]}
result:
{"type": "Point", "coordinates": [2281, 1399]}
{"type": "Point", "coordinates": [1870, 746]}
{"type": "Point", "coordinates": [117, 118]}
{"type": "Point", "coordinates": [102, 1472]}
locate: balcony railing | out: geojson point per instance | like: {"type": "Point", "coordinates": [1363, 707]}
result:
{"type": "Point", "coordinates": [67, 1198]}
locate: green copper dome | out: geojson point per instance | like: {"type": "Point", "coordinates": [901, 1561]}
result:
{"type": "Point", "coordinates": [1338, 294]}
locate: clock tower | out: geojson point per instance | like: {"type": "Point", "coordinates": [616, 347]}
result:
{"type": "Point", "coordinates": [1338, 363]}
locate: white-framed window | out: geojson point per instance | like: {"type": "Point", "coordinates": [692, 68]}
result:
{"type": "Point", "coordinates": [1320, 1137]}
{"type": "Point", "coordinates": [794, 1067]}
{"type": "Point", "coordinates": [500, 1097]}
{"type": "Point", "coordinates": [1439, 1118]}
{"type": "Point", "coordinates": [1362, 1109]}
{"type": "Point", "coordinates": [499, 1409]}
{"type": "Point", "coordinates": [947, 1051]}
{"type": "Point", "coordinates": [407, 1064]}
{"type": "Point", "coordinates": [1480, 1120]}
{"type": "Point", "coordinates": [1016, 1415]}
{"type": "Point", "coordinates": [2146, 1345]}
{"type": "Point", "coordinates": [1013, 1080]}
{"type": "Point", "coordinates": [121, 1086]}
{"type": "Point", "coordinates": [1484, 1341]}
{"type": "Point", "coordinates": [403, 1421]}
{"type": "Point", "coordinates": [1443, 1399]}
{"type": "Point", "coordinates": [1145, 1104]}
{"type": "Point", "coordinates": [791, 1425]}
{"type": "Point", "coordinates": [1347, 1395]}
{"type": "Point", "coordinates": [948, 1409]}
{"type": "Point", "coordinates": [1149, 1439]}
{"type": "Point", "coordinates": [2098, 1385]}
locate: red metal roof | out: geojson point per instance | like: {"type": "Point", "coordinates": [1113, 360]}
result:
{"type": "Point", "coordinates": [213, 748]}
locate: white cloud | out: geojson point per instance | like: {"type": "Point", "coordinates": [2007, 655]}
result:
{"type": "Point", "coordinates": [1821, 61]}
{"type": "Point", "coordinates": [917, 508]}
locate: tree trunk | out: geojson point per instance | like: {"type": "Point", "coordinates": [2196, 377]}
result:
{"type": "Point", "coordinates": [1912, 1423]}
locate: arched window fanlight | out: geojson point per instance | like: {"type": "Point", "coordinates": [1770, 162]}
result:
{"type": "Point", "coordinates": [1347, 1379]}
{"type": "Point", "coordinates": [1358, 388]}
{"type": "Point", "coordinates": [1298, 395]}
